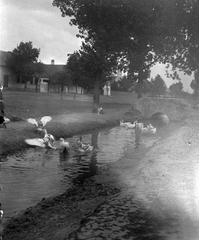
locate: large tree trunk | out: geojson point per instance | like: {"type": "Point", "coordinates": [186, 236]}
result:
{"type": "Point", "coordinates": [96, 97]}
{"type": "Point", "coordinates": [140, 84]}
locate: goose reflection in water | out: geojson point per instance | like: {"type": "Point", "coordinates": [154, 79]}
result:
{"type": "Point", "coordinates": [77, 166]}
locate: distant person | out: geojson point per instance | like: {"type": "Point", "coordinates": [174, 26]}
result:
{"type": "Point", "coordinates": [1, 101]}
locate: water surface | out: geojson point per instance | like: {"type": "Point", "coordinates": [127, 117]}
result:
{"type": "Point", "coordinates": [36, 173]}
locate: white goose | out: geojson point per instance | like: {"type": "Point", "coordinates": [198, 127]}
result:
{"type": "Point", "coordinates": [124, 124]}
{"type": "Point", "coordinates": [48, 136]}
{"type": "Point", "coordinates": [100, 110]}
{"type": "Point", "coordinates": [4, 121]}
{"type": "Point", "coordinates": [149, 129]}
{"type": "Point", "coordinates": [152, 129]}
{"type": "Point", "coordinates": [83, 147]}
{"type": "Point", "coordinates": [64, 146]}
{"type": "Point", "coordinates": [40, 124]}
{"type": "Point", "coordinates": [46, 142]}
{"type": "Point", "coordinates": [1, 212]}
{"type": "Point", "coordinates": [131, 125]}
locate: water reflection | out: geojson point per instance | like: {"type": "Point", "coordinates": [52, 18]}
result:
{"type": "Point", "coordinates": [86, 170]}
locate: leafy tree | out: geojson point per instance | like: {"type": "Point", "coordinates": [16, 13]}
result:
{"type": "Point", "coordinates": [22, 59]}
{"type": "Point", "coordinates": [61, 79]}
{"type": "Point", "coordinates": [90, 68]}
{"type": "Point", "coordinates": [184, 47]}
{"type": "Point", "coordinates": [158, 86]}
{"type": "Point", "coordinates": [195, 83]}
{"type": "Point", "coordinates": [37, 69]}
{"type": "Point", "coordinates": [176, 88]}
{"type": "Point", "coordinates": [126, 83]}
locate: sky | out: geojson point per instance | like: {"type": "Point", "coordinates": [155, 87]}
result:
{"type": "Point", "coordinates": [42, 24]}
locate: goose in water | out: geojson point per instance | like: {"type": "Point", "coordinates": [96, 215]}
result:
{"type": "Point", "coordinates": [124, 124]}
{"type": "Point", "coordinates": [64, 146]}
{"type": "Point", "coordinates": [83, 147]}
{"type": "Point", "coordinates": [46, 142]}
{"type": "Point", "coordinates": [131, 125]}
{"type": "Point", "coordinates": [149, 129]}
{"type": "Point", "coordinates": [4, 121]}
{"type": "Point", "coordinates": [40, 142]}
{"type": "Point", "coordinates": [40, 124]}
{"type": "Point", "coordinates": [48, 136]}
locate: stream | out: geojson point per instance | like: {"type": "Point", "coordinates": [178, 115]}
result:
{"type": "Point", "coordinates": [28, 176]}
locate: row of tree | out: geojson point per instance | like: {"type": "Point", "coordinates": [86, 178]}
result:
{"type": "Point", "coordinates": [155, 87]}
{"type": "Point", "coordinates": [132, 36]}
{"type": "Point", "coordinates": [24, 63]}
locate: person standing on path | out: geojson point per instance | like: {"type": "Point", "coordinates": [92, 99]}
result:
{"type": "Point", "coordinates": [1, 101]}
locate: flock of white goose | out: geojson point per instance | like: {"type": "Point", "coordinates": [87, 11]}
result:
{"type": "Point", "coordinates": [139, 126]}
{"type": "Point", "coordinates": [48, 140]}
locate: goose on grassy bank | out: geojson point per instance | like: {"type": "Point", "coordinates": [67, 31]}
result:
{"type": "Point", "coordinates": [40, 124]}
{"type": "Point", "coordinates": [4, 121]}
{"type": "Point", "coordinates": [100, 110]}
{"type": "Point", "coordinates": [1, 212]}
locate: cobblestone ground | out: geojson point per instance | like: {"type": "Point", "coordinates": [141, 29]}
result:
{"type": "Point", "coordinates": [123, 217]}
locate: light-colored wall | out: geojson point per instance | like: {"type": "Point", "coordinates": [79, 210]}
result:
{"type": "Point", "coordinates": [5, 71]}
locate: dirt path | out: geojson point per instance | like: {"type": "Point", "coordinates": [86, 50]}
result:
{"type": "Point", "coordinates": [160, 193]}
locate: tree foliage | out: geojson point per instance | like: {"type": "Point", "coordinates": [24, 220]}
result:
{"type": "Point", "coordinates": [158, 86]}
{"type": "Point", "coordinates": [138, 33]}
{"type": "Point", "coordinates": [90, 67]}
{"type": "Point", "coordinates": [176, 88]}
{"type": "Point", "coordinates": [22, 61]}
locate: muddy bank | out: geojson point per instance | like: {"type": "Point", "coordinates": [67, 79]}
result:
{"type": "Point", "coordinates": [56, 218]}
{"type": "Point", "coordinates": [85, 198]}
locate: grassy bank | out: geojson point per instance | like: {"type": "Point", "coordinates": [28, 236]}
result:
{"type": "Point", "coordinates": [69, 116]}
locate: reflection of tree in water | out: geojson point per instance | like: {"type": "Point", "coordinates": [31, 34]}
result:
{"type": "Point", "coordinates": [94, 138]}
{"type": "Point", "coordinates": [86, 172]}
{"type": "Point", "coordinates": [138, 135]}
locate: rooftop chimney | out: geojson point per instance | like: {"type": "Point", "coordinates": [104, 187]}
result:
{"type": "Point", "coordinates": [52, 62]}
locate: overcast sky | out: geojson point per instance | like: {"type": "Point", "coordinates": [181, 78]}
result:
{"type": "Point", "coordinates": [42, 24]}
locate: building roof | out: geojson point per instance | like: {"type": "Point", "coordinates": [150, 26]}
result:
{"type": "Point", "coordinates": [3, 57]}
{"type": "Point", "coordinates": [51, 69]}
